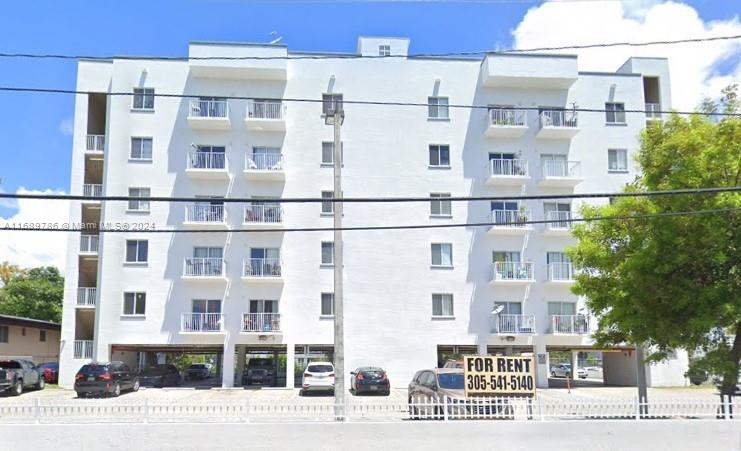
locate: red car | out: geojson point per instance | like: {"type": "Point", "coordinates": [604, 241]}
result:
{"type": "Point", "coordinates": [50, 372]}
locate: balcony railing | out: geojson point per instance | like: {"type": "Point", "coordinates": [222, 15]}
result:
{"type": "Point", "coordinates": [89, 244]}
{"type": "Point", "coordinates": [204, 213]}
{"type": "Point", "coordinates": [83, 349]}
{"type": "Point", "coordinates": [261, 213]}
{"type": "Point", "coordinates": [560, 272]}
{"type": "Point", "coordinates": [203, 267]}
{"type": "Point", "coordinates": [264, 162]}
{"type": "Point", "coordinates": [206, 160]}
{"type": "Point", "coordinates": [561, 168]}
{"type": "Point", "coordinates": [262, 267]}
{"type": "Point", "coordinates": [508, 168]}
{"type": "Point", "coordinates": [86, 296]}
{"type": "Point", "coordinates": [209, 108]}
{"type": "Point", "coordinates": [95, 143]}
{"type": "Point", "coordinates": [510, 117]}
{"type": "Point", "coordinates": [652, 111]}
{"type": "Point", "coordinates": [562, 220]}
{"type": "Point", "coordinates": [514, 324]}
{"type": "Point", "coordinates": [261, 322]}
{"type": "Point", "coordinates": [92, 190]}
{"type": "Point", "coordinates": [510, 218]}
{"type": "Point", "coordinates": [201, 322]}
{"type": "Point", "coordinates": [558, 118]}
{"type": "Point", "coordinates": [513, 271]}
{"type": "Point", "coordinates": [569, 324]}
{"type": "Point", "coordinates": [264, 109]}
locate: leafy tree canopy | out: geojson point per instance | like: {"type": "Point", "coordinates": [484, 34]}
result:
{"type": "Point", "coordinates": [35, 293]}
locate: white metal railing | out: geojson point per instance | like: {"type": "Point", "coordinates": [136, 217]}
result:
{"type": "Point", "coordinates": [206, 160]}
{"type": "Point", "coordinates": [209, 108]}
{"type": "Point", "coordinates": [95, 143]}
{"type": "Point", "coordinates": [512, 271]}
{"type": "Point", "coordinates": [510, 218]}
{"type": "Point", "coordinates": [508, 168]}
{"type": "Point", "coordinates": [203, 267]}
{"type": "Point", "coordinates": [560, 271]}
{"type": "Point", "coordinates": [569, 324]}
{"type": "Point", "coordinates": [653, 111]}
{"type": "Point", "coordinates": [562, 220]}
{"type": "Point", "coordinates": [201, 322]}
{"type": "Point", "coordinates": [514, 324]}
{"type": "Point", "coordinates": [265, 109]}
{"type": "Point", "coordinates": [561, 168]}
{"type": "Point", "coordinates": [264, 162]}
{"type": "Point", "coordinates": [261, 322]}
{"type": "Point", "coordinates": [262, 267]}
{"type": "Point", "coordinates": [86, 296]}
{"type": "Point", "coordinates": [89, 244]}
{"type": "Point", "coordinates": [204, 213]}
{"type": "Point", "coordinates": [83, 349]}
{"type": "Point", "coordinates": [512, 117]}
{"type": "Point", "coordinates": [93, 190]}
{"type": "Point", "coordinates": [262, 213]}
{"type": "Point", "coordinates": [558, 118]}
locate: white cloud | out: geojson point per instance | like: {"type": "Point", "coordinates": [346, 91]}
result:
{"type": "Point", "coordinates": [28, 248]}
{"type": "Point", "coordinates": [66, 127]}
{"type": "Point", "coordinates": [693, 67]}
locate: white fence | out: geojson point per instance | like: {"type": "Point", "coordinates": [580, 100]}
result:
{"type": "Point", "coordinates": [510, 218]}
{"type": "Point", "coordinates": [89, 244]}
{"type": "Point", "coordinates": [203, 267]}
{"type": "Point", "coordinates": [204, 213]}
{"type": "Point", "coordinates": [562, 220]}
{"type": "Point", "coordinates": [653, 111]}
{"type": "Point", "coordinates": [503, 167]}
{"type": "Point", "coordinates": [262, 267]}
{"type": "Point", "coordinates": [560, 272]}
{"type": "Point", "coordinates": [201, 322]}
{"type": "Point", "coordinates": [561, 168]}
{"type": "Point", "coordinates": [95, 143]}
{"type": "Point", "coordinates": [209, 108]}
{"type": "Point", "coordinates": [264, 162]}
{"type": "Point", "coordinates": [92, 190]}
{"type": "Point", "coordinates": [206, 160]}
{"type": "Point", "coordinates": [263, 214]}
{"type": "Point", "coordinates": [569, 324]}
{"type": "Point", "coordinates": [86, 296]}
{"type": "Point", "coordinates": [558, 118]}
{"type": "Point", "coordinates": [83, 349]}
{"type": "Point", "coordinates": [512, 271]}
{"type": "Point", "coordinates": [511, 117]}
{"type": "Point", "coordinates": [261, 322]}
{"type": "Point", "coordinates": [264, 109]}
{"type": "Point", "coordinates": [514, 324]}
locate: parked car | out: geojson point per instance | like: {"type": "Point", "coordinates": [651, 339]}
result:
{"type": "Point", "coordinates": [50, 372]}
{"type": "Point", "coordinates": [318, 376]}
{"type": "Point", "coordinates": [17, 375]}
{"type": "Point", "coordinates": [564, 370]}
{"type": "Point", "coordinates": [110, 378]}
{"type": "Point", "coordinates": [260, 371]}
{"type": "Point", "coordinates": [198, 371]}
{"type": "Point", "coordinates": [161, 375]}
{"type": "Point", "coordinates": [369, 379]}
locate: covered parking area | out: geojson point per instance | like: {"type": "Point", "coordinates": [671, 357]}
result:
{"type": "Point", "coordinates": [140, 357]}
{"type": "Point", "coordinates": [614, 367]}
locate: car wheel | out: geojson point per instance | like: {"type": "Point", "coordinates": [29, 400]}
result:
{"type": "Point", "coordinates": [17, 388]}
{"type": "Point", "coordinates": [116, 390]}
{"type": "Point", "coordinates": [135, 388]}
{"type": "Point", "coordinates": [40, 384]}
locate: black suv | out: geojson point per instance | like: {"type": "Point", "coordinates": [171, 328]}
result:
{"type": "Point", "coordinates": [260, 371]}
{"type": "Point", "coordinates": [105, 379]}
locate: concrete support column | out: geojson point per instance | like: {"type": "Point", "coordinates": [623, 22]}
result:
{"type": "Point", "coordinates": [161, 358]}
{"type": "Point", "coordinates": [240, 365]}
{"type": "Point", "coordinates": [227, 373]}
{"type": "Point", "coordinates": [542, 364]}
{"type": "Point", "coordinates": [290, 364]}
{"type": "Point", "coordinates": [574, 365]}
{"type": "Point", "coordinates": [481, 347]}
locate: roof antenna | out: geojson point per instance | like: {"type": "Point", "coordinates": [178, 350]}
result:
{"type": "Point", "coordinates": [276, 40]}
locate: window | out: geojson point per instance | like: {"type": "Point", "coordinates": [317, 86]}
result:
{"type": "Point", "coordinates": [141, 149]}
{"type": "Point", "coordinates": [442, 254]}
{"type": "Point", "coordinates": [439, 156]}
{"type": "Point", "coordinates": [617, 160]}
{"type": "Point", "coordinates": [42, 335]}
{"type": "Point", "coordinates": [4, 333]}
{"type": "Point", "coordinates": [384, 50]}
{"type": "Point", "coordinates": [206, 306]}
{"type": "Point", "coordinates": [327, 207]}
{"type": "Point", "coordinates": [139, 205]}
{"type": "Point", "coordinates": [437, 107]}
{"type": "Point", "coordinates": [442, 305]}
{"type": "Point", "coordinates": [327, 253]}
{"type": "Point", "coordinates": [440, 207]}
{"type": "Point", "coordinates": [561, 308]}
{"type": "Point", "coordinates": [615, 113]}
{"type": "Point", "coordinates": [143, 98]}
{"type": "Point", "coordinates": [134, 303]}
{"type": "Point", "coordinates": [328, 153]}
{"type": "Point", "coordinates": [327, 304]}
{"type": "Point", "coordinates": [509, 308]}
{"type": "Point", "coordinates": [137, 251]}
{"type": "Point", "coordinates": [330, 101]}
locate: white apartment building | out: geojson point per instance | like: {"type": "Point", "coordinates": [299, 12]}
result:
{"type": "Point", "coordinates": [412, 297]}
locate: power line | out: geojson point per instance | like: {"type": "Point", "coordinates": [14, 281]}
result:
{"type": "Point", "coordinates": [356, 56]}
{"type": "Point", "coordinates": [391, 227]}
{"type": "Point", "coordinates": [673, 192]}
{"type": "Point", "coordinates": [352, 102]}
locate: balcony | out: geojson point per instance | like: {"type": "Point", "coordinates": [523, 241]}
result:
{"type": "Point", "coordinates": [514, 324]}
{"type": "Point", "coordinates": [264, 166]}
{"type": "Point", "coordinates": [86, 297]}
{"type": "Point", "coordinates": [263, 216]}
{"type": "Point", "coordinates": [569, 324]}
{"type": "Point", "coordinates": [510, 222]}
{"type": "Point", "coordinates": [265, 115]}
{"type": "Point", "coordinates": [261, 323]}
{"type": "Point", "coordinates": [202, 323]}
{"type": "Point", "coordinates": [653, 111]}
{"type": "Point", "coordinates": [95, 144]}
{"type": "Point", "coordinates": [205, 215]}
{"type": "Point", "coordinates": [83, 349]}
{"type": "Point", "coordinates": [206, 165]}
{"type": "Point", "coordinates": [561, 225]}
{"type": "Point", "coordinates": [560, 174]}
{"type": "Point", "coordinates": [89, 244]}
{"type": "Point", "coordinates": [558, 124]}
{"type": "Point", "coordinates": [262, 270]}
{"type": "Point", "coordinates": [512, 273]}
{"type": "Point", "coordinates": [204, 269]}
{"type": "Point", "coordinates": [561, 273]}
{"type": "Point", "coordinates": [209, 114]}
{"type": "Point", "coordinates": [92, 190]}
{"type": "Point", "coordinates": [506, 123]}
{"type": "Point", "coordinates": [505, 172]}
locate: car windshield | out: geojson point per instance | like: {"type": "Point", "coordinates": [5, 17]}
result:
{"type": "Point", "coordinates": [197, 366]}
{"type": "Point", "coordinates": [93, 369]}
{"type": "Point", "coordinates": [10, 364]}
{"type": "Point", "coordinates": [452, 381]}
{"type": "Point", "coordinates": [259, 363]}
{"type": "Point", "coordinates": [319, 368]}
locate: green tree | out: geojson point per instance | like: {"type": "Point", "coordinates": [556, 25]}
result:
{"type": "Point", "coordinates": [37, 293]}
{"type": "Point", "coordinates": [672, 282]}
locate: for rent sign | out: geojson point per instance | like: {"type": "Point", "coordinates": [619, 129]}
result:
{"type": "Point", "coordinates": [498, 375]}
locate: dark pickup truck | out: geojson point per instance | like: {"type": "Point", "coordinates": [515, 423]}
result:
{"type": "Point", "coordinates": [16, 375]}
